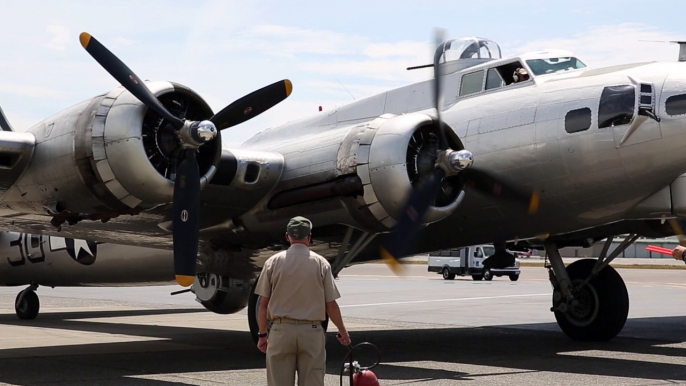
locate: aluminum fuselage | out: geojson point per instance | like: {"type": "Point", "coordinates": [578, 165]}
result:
{"type": "Point", "coordinates": [587, 179]}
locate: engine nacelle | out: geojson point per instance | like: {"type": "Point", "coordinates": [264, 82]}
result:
{"type": "Point", "coordinates": [132, 153]}
{"type": "Point", "coordinates": [110, 155]}
{"type": "Point", "coordinates": [221, 294]}
{"type": "Point", "coordinates": [394, 153]}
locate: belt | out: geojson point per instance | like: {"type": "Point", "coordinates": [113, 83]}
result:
{"type": "Point", "coordinates": [295, 321]}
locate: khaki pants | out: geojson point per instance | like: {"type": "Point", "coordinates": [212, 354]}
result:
{"type": "Point", "coordinates": [296, 346]}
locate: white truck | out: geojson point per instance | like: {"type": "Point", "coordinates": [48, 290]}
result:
{"type": "Point", "coordinates": [469, 261]}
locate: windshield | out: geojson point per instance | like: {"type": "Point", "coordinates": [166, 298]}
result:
{"type": "Point", "coordinates": [553, 65]}
{"type": "Point", "coordinates": [488, 251]}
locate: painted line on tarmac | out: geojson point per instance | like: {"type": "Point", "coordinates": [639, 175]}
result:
{"type": "Point", "coordinates": [390, 276]}
{"type": "Point", "coordinates": [445, 300]}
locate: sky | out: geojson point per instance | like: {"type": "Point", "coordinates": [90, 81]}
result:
{"type": "Point", "coordinates": [333, 52]}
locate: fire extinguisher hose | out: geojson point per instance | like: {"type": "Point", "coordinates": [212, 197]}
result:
{"type": "Point", "coordinates": [349, 355]}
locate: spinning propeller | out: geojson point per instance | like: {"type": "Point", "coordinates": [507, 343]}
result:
{"type": "Point", "coordinates": [191, 135]}
{"type": "Point", "coordinates": [449, 163]}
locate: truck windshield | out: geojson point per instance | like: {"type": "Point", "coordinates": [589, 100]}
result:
{"type": "Point", "coordinates": [553, 65]}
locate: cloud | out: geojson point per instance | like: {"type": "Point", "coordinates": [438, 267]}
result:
{"type": "Point", "coordinates": [121, 41]}
{"type": "Point", "coordinates": [29, 91]}
{"type": "Point", "coordinates": [289, 41]}
{"type": "Point", "coordinates": [386, 70]}
{"type": "Point", "coordinates": [415, 50]}
{"type": "Point", "coordinates": [60, 37]}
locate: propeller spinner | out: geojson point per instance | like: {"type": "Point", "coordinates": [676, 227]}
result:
{"type": "Point", "coordinates": [191, 135]}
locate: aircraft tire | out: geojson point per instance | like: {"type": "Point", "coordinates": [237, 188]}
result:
{"type": "Point", "coordinates": [447, 275]}
{"type": "Point", "coordinates": [477, 277]}
{"type": "Point", "coordinates": [603, 304]}
{"type": "Point", "coordinates": [253, 310]}
{"type": "Point", "coordinates": [488, 275]}
{"type": "Point", "coordinates": [514, 277]}
{"type": "Point", "coordinates": [29, 306]}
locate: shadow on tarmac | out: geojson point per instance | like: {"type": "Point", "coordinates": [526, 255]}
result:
{"type": "Point", "coordinates": [514, 349]}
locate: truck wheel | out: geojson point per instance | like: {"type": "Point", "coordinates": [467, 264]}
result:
{"type": "Point", "coordinates": [488, 275]}
{"type": "Point", "coordinates": [477, 277]}
{"type": "Point", "coordinates": [514, 277]}
{"type": "Point", "coordinates": [447, 275]}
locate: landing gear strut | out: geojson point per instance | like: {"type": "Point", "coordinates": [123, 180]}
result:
{"type": "Point", "coordinates": [27, 304]}
{"type": "Point", "coordinates": [590, 299]}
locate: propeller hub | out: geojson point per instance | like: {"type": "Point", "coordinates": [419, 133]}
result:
{"type": "Point", "coordinates": [452, 162]}
{"type": "Point", "coordinates": [461, 160]}
{"type": "Point", "coordinates": [206, 131]}
{"type": "Point", "coordinates": [195, 134]}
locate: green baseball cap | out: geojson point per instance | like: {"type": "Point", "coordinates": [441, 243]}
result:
{"type": "Point", "coordinates": [299, 228]}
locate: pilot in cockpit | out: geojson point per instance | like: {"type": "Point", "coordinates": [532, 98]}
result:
{"type": "Point", "coordinates": [520, 75]}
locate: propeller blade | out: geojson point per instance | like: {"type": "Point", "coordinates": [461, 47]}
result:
{"type": "Point", "coordinates": [679, 231]}
{"type": "Point", "coordinates": [399, 243]}
{"type": "Point", "coordinates": [126, 77]}
{"type": "Point", "coordinates": [439, 39]}
{"type": "Point", "coordinates": [493, 187]}
{"type": "Point", "coordinates": [253, 104]}
{"type": "Point", "coordinates": [186, 220]}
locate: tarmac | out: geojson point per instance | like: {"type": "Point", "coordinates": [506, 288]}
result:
{"type": "Point", "coordinates": [430, 332]}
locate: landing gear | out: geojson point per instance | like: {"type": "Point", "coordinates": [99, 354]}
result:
{"type": "Point", "coordinates": [590, 299]}
{"type": "Point", "coordinates": [27, 304]}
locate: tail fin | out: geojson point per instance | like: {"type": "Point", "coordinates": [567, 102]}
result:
{"type": "Point", "coordinates": [4, 123]}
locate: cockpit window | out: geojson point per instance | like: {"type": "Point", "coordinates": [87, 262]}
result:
{"type": "Point", "coordinates": [493, 79]}
{"type": "Point", "coordinates": [472, 83]}
{"type": "Point", "coordinates": [553, 65]}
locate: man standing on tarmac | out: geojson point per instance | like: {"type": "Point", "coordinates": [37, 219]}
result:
{"type": "Point", "coordinates": [298, 291]}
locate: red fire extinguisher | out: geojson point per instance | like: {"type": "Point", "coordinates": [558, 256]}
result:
{"type": "Point", "coordinates": [358, 375]}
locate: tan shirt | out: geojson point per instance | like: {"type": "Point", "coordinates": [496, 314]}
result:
{"type": "Point", "coordinates": [298, 283]}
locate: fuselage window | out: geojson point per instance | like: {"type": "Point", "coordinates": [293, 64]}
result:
{"type": "Point", "coordinates": [35, 241]}
{"type": "Point", "coordinates": [616, 106]}
{"type": "Point", "coordinates": [676, 104]}
{"type": "Point", "coordinates": [472, 83]}
{"type": "Point", "coordinates": [578, 120]}
{"type": "Point", "coordinates": [493, 79]}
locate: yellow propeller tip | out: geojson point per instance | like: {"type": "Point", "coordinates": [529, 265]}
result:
{"type": "Point", "coordinates": [391, 261]}
{"type": "Point", "coordinates": [85, 39]}
{"type": "Point", "coordinates": [533, 203]}
{"type": "Point", "coordinates": [289, 86]}
{"type": "Point", "coordinates": [185, 280]}
{"type": "Point", "coordinates": [679, 232]}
